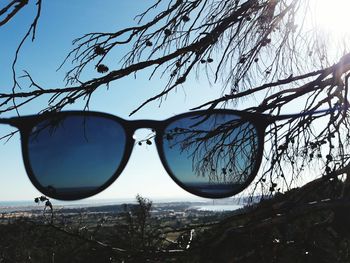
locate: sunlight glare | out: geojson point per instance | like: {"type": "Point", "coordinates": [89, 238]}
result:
{"type": "Point", "coordinates": [332, 17]}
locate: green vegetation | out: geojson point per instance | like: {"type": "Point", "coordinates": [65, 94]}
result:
{"type": "Point", "coordinates": [115, 233]}
{"type": "Point", "coordinates": [308, 224]}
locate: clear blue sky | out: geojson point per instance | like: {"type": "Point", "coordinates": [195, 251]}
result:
{"type": "Point", "coordinates": [61, 22]}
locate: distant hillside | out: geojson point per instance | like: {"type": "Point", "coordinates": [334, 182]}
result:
{"type": "Point", "coordinates": [308, 224]}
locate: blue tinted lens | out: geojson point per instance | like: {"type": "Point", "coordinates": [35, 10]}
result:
{"type": "Point", "coordinates": [74, 156]}
{"type": "Point", "coordinates": [212, 155]}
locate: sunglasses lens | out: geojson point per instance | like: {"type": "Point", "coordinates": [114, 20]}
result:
{"type": "Point", "coordinates": [214, 155]}
{"type": "Point", "coordinates": [75, 156]}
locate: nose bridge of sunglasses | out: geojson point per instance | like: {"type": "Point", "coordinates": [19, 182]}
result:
{"type": "Point", "coordinates": [151, 126]}
{"type": "Point", "coordinates": [140, 124]}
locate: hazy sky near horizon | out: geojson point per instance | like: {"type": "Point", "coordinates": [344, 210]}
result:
{"type": "Point", "coordinates": [60, 23]}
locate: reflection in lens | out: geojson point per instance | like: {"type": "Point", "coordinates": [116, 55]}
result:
{"type": "Point", "coordinates": [73, 156]}
{"type": "Point", "coordinates": [211, 155]}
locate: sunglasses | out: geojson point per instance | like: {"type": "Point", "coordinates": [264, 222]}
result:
{"type": "Point", "coordinates": [76, 154]}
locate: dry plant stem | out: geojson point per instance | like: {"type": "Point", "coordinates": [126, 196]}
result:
{"type": "Point", "coordinates": [250, 47]}
{"type": "Point", "coordinates": [15, 6]}
{"type": "Point", "coordinates": [181, 19]}
{"type": "Point", "coordinates": [31, 30]}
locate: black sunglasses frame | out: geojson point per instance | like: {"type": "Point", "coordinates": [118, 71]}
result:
{"type": "Point", "coordinates": [25, 125]}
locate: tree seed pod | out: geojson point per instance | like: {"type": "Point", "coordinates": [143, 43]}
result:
{"type": "Point", "coordinates": [99, 51]}
{"type": "Point", "coordinates": [185, 18]}
{"type": "Point", "coordinates": [167, 32]}
{"type": "Point", "coordinates": [102, 68]}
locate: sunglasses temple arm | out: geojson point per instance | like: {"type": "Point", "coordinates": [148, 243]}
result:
{"type": "Point", "coordinates": [306, 113]}
{"type": "Point", "coordinates": [8, 121]}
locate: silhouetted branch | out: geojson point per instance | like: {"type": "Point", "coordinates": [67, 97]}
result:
{"type": "Point", "coordinates": [31, 31]}
{"type": "Point", "coordinates": [10, 10]}
{"type": "Point", "coordinates": [252, 48]}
